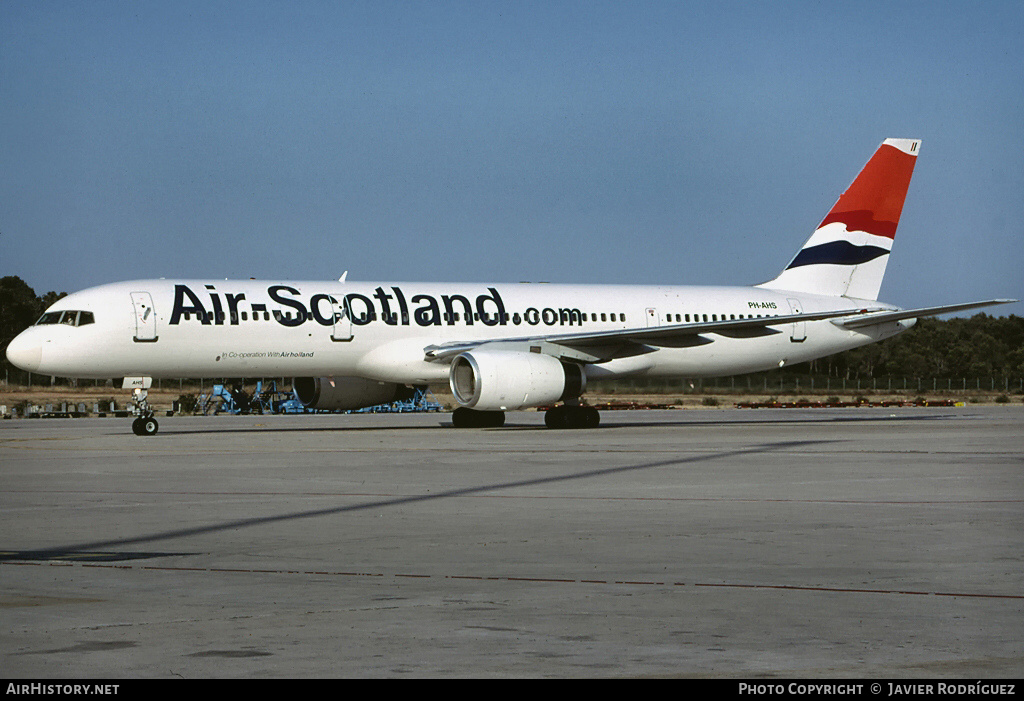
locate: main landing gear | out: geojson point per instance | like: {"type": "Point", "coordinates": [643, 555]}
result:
{"type": "Point", "coordinates": [572, 416]}
{"type": "Point", "coordinates": [562, 416]}
{"type": "Point", "coordinates": [145, 424]}
{"type": "Point", "coordinates": [471, 418]}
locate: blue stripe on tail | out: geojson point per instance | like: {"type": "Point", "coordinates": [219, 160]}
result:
{"type": "Point", "coordinates": [837, 253]}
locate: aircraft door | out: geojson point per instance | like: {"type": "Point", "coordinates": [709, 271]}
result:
{"type": "Point", "coordinates": [145, 317]}
{"type": "Point", "coordinates": [652, 317]}
{"type": "Point", "coordinates": [342, 320]}
{"type": "Point", "coordinates": [799, 333]}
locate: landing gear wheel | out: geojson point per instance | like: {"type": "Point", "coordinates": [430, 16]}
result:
{"type": "Point", "coordinates": [471, 418]}
{"type": "Point", "coordinates": [564, 416]}
{"type": "Point", "coordinates": [145, 426]}
{"type": "Point", "coordinates": [557, 417]}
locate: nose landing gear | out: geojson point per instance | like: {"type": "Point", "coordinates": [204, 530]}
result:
{"type": "Point", "coordinates": [145, 424]}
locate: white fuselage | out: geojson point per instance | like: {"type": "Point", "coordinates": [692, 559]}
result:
{"type": "Point", "coordinates": [259, 328]}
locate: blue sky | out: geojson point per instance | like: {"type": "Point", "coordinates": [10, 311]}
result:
{"type": "Point", "coordinates": [643, 142]}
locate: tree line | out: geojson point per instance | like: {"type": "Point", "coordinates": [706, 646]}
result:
{"type": "Point", "coordinates": [20, 307]}
{"type": "Point", "coordinates": [975, 347]}
{"type": "Point", "coordinates": [981, 346]}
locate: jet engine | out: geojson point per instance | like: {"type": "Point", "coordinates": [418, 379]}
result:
{"type": "Point", "coordinates": [504, 380]}
{"type": "Point", "coordinates": [348, 392]}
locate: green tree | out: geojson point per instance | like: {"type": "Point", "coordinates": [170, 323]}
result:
{"type": "Point", "coordinates": [19, 309]}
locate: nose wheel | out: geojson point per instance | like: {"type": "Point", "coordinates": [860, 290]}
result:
{"type": "Point", "coordinates": [145, 424]}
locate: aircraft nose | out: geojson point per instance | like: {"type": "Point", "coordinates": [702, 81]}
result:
{"type": "Point", "coordinates": [25, 353]}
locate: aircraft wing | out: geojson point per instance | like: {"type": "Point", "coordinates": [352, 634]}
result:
{"type": "Point", "coordinates": [602, 346]}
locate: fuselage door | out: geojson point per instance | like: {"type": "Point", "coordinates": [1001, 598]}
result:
{"type": "Point", "coordinates": [342, 320]}
{"type": "Point", "coordinates": [652, 317]}
{"type": "Point", "coordinates": [145, 317]}
{"type": "Point", "coordinates": [799, 334]}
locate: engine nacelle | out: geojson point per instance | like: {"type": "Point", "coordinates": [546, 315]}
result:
{"type": "Point", "coordinates": [505, 380]}
{"type": "Point", "coordinates": [348, 392]}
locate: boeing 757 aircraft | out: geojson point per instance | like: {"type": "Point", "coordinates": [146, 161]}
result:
{"type": "Point", "coordinates": [501, 347]}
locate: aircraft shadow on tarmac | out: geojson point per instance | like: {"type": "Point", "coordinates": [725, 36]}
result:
{"type": "Point", "coordinates": [102, 549]}
{"type": "Point", "coordinates": [539, 426]}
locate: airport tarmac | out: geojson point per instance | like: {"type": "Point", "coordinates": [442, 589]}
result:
{"type": "Point", "coordinates": [862, 542]}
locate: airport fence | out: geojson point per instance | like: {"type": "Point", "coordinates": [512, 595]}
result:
{"type": "Point", "coordinates": [774, 382]}
{"type": "Point", "coordinates": [14, 378]}
{"type": "Point", "coordinates": [795, 383]}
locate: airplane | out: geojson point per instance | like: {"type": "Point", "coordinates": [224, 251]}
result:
{"type": "Point", "coordinates": [501, 347]}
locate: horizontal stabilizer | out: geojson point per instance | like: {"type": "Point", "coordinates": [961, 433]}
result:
{"type": "Point", "coordinates": [873, 318]}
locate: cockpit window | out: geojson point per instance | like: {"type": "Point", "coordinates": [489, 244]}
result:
{"type": "Point", "coordinates": [69, 317]}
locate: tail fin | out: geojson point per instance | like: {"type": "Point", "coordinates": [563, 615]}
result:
{"type": "Point", "coordinates": [847, 254]}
